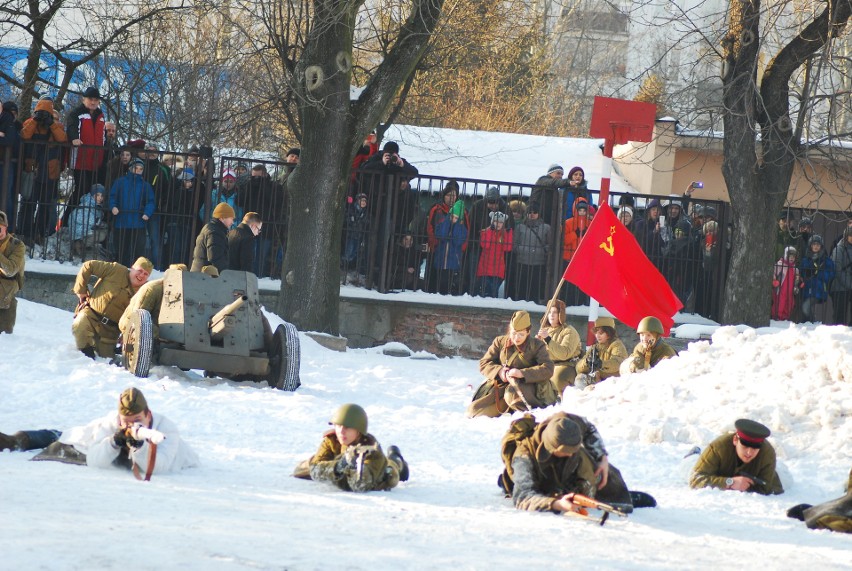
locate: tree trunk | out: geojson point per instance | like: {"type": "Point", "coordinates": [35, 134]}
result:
{"type": "Point", "coordinates": [333, 128]}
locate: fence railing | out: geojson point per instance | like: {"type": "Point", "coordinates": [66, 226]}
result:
{"type": "Point", "coordinates": [397, 233]}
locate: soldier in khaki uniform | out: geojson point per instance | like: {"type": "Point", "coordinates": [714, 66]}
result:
{"type": "Point", "coordinates": [351, 458]}
{"type": "Point", "coordinates": [12, 256]}
{"type": "Point", "coordinates": [650, 350]}
{"type": "Point", "coordinates": [517, 371]}
{"type": "Point", "coordinates": [563, 346]}
{"type": "Point", "coordinates": [148, 297]}
{"type": "Point", "coordinates": [834, 515]}
{"type": "Point", "coordinates": [604, 358]}
{"type": "Point", "coordinates": [95, 326]}
{"type": "Point", "coordinates": [742, 461]}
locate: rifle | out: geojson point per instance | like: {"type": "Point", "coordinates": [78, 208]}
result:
{"type": "Point", "coordinates": [512, 381]}
{"type": "Point", "coordinates": [593, 356]}
{"type": "Point", "coordinates": [586, 502]}
{"type": "Point", "coordinates": [139, 432]}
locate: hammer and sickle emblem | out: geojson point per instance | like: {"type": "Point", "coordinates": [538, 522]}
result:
{"type": "Point", "coordinates": [607, 245]}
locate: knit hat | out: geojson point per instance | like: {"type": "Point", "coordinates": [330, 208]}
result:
{"type": "Point", "coordinates": [211, 271]}
{"type": "Point", "coordinates": [492, 194]}
{"type": "Point", "coordinates": [391, 147]}
{"type": "Point", "coordinates": [458, 208]}
{"type": "Point", "coordinates": [136, 143]}
{"type": "Point", "coordinates": [625, 209]}
{"type": "Point", "coordinates": [295, 151]}
{"type": "Point", "coordinates": [575, 169]}
{"type": "Point", "coordinates": [10, 106]}
{"type": "Point", "coordinates": [520, 320]}
{"type": "Point", "coordinates": [229, 173]}
{"type": "Point", "coordinates": [98, 189]}
{"type": "Point", "coordinates": [553, 168]}
{"type": "Point", "coordinates": [533, 207]}
{"type": "Point", "coordinates": [805, 221]}
{"type": "Point", "coordinates": [92, 92]}
{"type": "Point", "coordinates": [498, 217]}
{"type": "Point", "coordinates": [4, 221]}
{"type": "Point", "coordinates": [562, 435]}
{"type": "Point", "coordinates": [131, 402]}
{"type": "Point", "coordinates": [790, 250]}
{"type": "Point", "coordinates": [224, 210]}
{"type": "Point", "coordinates": [143, 263]}
{"type": "Point", "coordinates": [816, 239]}
{"type": "Point", "coordinates": [134, 163]}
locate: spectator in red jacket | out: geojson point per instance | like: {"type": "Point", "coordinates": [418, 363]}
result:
{"type": "Point", "coordinates": [85, 127]}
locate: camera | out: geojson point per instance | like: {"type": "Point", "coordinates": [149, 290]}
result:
{"type": "Point", "coordinates": [697, 184]}
{"type": "Point", "coordinates": [44, 118]}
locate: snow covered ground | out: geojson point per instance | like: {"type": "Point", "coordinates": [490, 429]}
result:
{"type": "Point", "coordinates": [241, 509]}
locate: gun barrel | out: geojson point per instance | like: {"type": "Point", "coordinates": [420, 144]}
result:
{"type": "Point", "coordinates": [223, 321]}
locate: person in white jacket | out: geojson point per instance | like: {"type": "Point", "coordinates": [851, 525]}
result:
{"type": "Point", "coordinates": [133, 437]}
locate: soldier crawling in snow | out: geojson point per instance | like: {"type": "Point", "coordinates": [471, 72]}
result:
{"type": "Point", "coordinates": [351, 458]}
{"type": "Point", "coordinates": [547, 463]}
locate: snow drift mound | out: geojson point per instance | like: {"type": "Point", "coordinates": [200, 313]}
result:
{"type": "Point", "coordinates": [798, 382]}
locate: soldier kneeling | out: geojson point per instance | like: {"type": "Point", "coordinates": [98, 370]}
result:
{"type": "Point", "coordinates": [352, 459]}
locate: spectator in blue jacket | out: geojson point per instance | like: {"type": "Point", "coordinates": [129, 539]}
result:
{"type": "Point", "coordinates": [131, 200]}
{"type": "Point", "coordinates": [451, 235]}
{"type": "Point", "coordinates": [817, 271]}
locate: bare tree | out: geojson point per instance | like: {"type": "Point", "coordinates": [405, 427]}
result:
{"type": "Point", "coordinates": [763, 138]}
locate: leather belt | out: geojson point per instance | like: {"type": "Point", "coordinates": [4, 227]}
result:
{"type": "Point", "coordinates": [102, 318]}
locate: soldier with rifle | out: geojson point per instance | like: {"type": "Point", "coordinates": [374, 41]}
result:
{"type": "Point", "coordinates": [604, 358]}
{"type": "Point", "coordinates": [132, 438]}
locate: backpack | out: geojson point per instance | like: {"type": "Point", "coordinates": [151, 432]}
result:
{"type": "Point", "coordinates": [519, 430]}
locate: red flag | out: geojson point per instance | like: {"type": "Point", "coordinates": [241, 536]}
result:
{"type": "Point", "coordinates": [610, 266]}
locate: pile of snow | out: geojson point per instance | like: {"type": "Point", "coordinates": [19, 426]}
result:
{"type": "Point", "coordinates": [242, 509]}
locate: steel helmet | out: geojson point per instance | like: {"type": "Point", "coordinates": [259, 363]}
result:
{"type": "Point", "coordinates": [650, 324]}
{"type": "Point", "coordinates": [351, 416]}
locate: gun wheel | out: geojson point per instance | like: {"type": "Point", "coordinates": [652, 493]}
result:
{"type": "Point", "coordinates": [284, 358]}
{"type": "Point", "coordinates": [138, 344]}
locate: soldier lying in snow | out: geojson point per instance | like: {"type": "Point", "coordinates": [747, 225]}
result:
{"type": "Point", "coordinates": [352, 459]}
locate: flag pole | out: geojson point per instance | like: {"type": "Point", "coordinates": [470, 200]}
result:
{"type": "Point", "coordinates": [606, 172]}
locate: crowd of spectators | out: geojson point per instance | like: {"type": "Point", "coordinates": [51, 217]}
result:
{"type": "Point", "coordinates": [119, 201]}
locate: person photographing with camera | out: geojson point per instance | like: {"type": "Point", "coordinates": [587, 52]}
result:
{"type": "Point", "coordinates": [41, 135]}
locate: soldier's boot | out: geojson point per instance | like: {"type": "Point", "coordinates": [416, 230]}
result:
{"type": "Point", "coordinates": [88, 352]}
{"type": "Point", "coordinates": [798, 511]}
{"type": "Point", "coordinates": [17, 441]}
{"type": "Point", "coordinates": [395, 456]}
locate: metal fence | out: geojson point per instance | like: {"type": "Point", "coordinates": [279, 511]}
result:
{"type": "Point", "coordinates": [397, 232]}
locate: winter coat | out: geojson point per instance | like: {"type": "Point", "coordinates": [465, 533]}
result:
{"type": "Point", "coordinates": [43, 159]}
{"type": "Point", "coordinates": [258, 194]}
{"type": "Point", "coordinates": [842, 258]}
{"type": "Point", "coordinates": [835, 515]}
{"type": "Point", "coordinates": [479, 217]}
{"type": "Point", "coordinates": [532, 358]}
{"type": "Point", "coordinates": [405, 258]}
{"type": "Point", "coordinates": [241, 248]}
{"type": "Point", "coordinates": [133, 197]}
{"type": "Point", "coordinates": [719, 461]}
{"type": "Point", "coordinates": [451, 240]}
{"type": "Point", "coordinates": [160, 179]}
{"type": "Point", "coordinates": [376, 473]}
{"type": "Point", "coordinates": [785, 285]}
{"type": "Point", "coordinates": [149, 297]}
{"type": "Point", "coordinates": [564, 344]}
{"type": "Point", "coordinates": [357, 221]}
{"type": "Point", "coordinates": [540, 478]}
{"type": "Point", "coordinates": [574, 230]}
{"type": "Point", "coordinates": [112, 291]}
{"type": "Point", "coordinates": [84, 218]}
{"type": "Point", "coordinates": [572, 195]}
{"type": "Point", "coordinates": [817, 274]}
{"type": "Point", "coordinates": [611, 354]}
{"type": "Point", "coordinates": [12, 261]}
{"type": "Point", "coordinates": [211, 247]}
{"type": "Point", "coordinates": [495, 245]}
{"type": "Point", "coordinates": [650, 240]}
{"type": "Point", "coordinates": [11, 138]}
{"type": "Point", "coordinates": [95, 441]}
{"type": "Point", "coordinates": [437, 214]}
{"type": "Point", "coordinates": [88, 126]}
{"type": "Point", "coordinates": [640, 360]}
{"type": "Point", "coordinates": [546, 193]}
{"type": "Point", "coordinates": [531, 243]}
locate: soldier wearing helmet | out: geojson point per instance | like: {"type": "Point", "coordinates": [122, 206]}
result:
{"type": "Point", "coordinates": [650, 350]}
{"type": "Point", "coordinates": [604, 358]}
{"type": "Point", "coordinates": [351, 458]}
